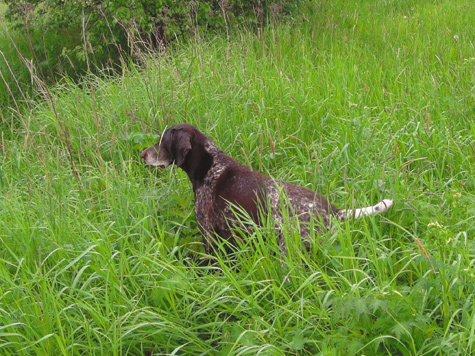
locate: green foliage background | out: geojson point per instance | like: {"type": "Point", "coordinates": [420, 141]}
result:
{"type": "Point", "coordinates": [71, 38]}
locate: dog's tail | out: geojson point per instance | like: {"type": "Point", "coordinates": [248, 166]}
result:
{"type": "Point", "coordinates": [375, 209]}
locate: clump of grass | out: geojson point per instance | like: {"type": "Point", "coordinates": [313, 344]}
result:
{"type": "Point", "coordinates": [100, 255]}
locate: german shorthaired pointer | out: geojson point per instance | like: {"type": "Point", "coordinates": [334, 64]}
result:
{"type": "Point", "coordinates": [221, 183]}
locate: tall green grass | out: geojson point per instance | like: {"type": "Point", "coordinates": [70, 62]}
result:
{"type": "Point", "coordinates": [8, 72]}
{"type": "Point", "coordinates": [101, 255]}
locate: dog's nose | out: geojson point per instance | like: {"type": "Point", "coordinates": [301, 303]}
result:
{"type": "Point", "coordinates": [144, 154]}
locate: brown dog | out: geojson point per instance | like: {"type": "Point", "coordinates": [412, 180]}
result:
{"type": "Point", "coordinates": [220, 182]}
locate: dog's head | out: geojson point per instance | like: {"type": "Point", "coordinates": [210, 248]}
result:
{"type": "Point", "coordinates": [173, 147]}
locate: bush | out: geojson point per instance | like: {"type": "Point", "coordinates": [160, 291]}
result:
{"type": "Point", "coordinates": [70, 37]}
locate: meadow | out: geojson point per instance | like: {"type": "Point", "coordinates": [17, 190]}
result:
{"type": "Point", "coordinates": [360, 101]}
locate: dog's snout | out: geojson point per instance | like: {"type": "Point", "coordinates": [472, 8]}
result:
{"type": "Point", "coordinates": [150, 158]}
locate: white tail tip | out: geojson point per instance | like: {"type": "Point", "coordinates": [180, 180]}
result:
{"type": "Point", "coordinates": [375, 209]}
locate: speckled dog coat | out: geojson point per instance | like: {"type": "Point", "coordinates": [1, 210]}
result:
{"type": "Point", "coordinates": [221, 183]}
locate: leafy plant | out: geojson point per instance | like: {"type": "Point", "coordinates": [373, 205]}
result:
{"type": "Point", "coordinates": [73, 37]}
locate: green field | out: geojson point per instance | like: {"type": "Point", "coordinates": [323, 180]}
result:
{"type": "Point", "coordinates": [100, 255]}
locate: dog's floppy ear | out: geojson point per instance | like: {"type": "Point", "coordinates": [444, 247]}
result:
{"type": "Point", "coordinates": [182, 142]}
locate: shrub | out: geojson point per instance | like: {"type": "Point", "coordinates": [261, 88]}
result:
{"type": "Point", "coordinates": [70, 37]}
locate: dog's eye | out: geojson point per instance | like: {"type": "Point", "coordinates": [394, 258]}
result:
{"type": "Point", "coordinates": [164, 150]}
